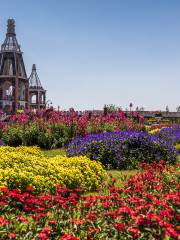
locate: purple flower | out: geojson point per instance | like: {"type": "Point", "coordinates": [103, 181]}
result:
{"type": "Point", "coordinates": [123, 150]}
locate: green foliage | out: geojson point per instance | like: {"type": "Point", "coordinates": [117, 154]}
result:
{"type": "Point", "coordinates": [31, 135]}
{"type": "Point", "coordinates": [13, 136]}
{"type": "Point", "coordinates": [45, 140]}
{"type": "Point", "coordinates": [60, 134]}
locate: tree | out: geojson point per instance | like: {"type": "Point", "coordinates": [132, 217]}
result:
{"type": "Point", "coordinates": [178, 108]}
{"type": "Point", "coordinates": [108, 108]}
{"type": "Point", "coordinates": [105, 110]}
{"type": "Point", "coordinates": [137, 108]}
{"type": "Point", "coordinates": [167, 109]}
{"type": "Point", "coordinates": [141, 109]}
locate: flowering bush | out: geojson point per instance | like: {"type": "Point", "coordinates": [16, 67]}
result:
{"type": "Point", "coordinates": [123, 150]}
{"type": "Point", "coordinates": [27, 166]}
{"type": "Point", "coordinates": [50, 129]}
{"type": "Point", "coordinates": [170, 134]}
{"type": "Point", "coordinates": [145, 208]}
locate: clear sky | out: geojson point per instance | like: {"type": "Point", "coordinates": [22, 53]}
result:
{"type": "Point", "coordinates": [94, 52]}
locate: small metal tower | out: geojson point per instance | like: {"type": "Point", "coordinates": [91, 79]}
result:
{"type": "Point", "coordinates": [37, 94]}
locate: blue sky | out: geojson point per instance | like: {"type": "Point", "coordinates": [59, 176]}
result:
{"type": "Point", "coordinates": [94, 52]}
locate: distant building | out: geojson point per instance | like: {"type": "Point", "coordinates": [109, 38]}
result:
{"type": "Point", "coordinates": [17, 91]}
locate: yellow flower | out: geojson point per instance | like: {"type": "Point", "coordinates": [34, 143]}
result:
{"type": "Point", "coordinates": [24, 166]}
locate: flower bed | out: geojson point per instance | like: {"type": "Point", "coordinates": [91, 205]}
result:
{"type": "Point", "coordinates": [50, 129]}
{"type": "Point", "coordinates": [26, 166]}
{"type": "Point", "coordinates": [170, 134]}
{"type": "Point", "coordinates": [123, 150]}
{"type": "Point", "coordinates": [146, 208]}
{"type": "Point", "coordinates": [159, 126]}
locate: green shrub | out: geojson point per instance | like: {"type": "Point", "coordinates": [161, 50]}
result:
{"type": "Point", "coordinates": [31, 134]}
{"type": "Point", "coordinates": [45, 140]}
{"type": "Point", "coordinates": [13, 136]}
{"type": "Point", "coordinates": [60, 134]}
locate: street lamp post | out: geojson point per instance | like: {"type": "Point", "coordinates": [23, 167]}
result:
{"type": "Point", "coordinates": [130, 106]}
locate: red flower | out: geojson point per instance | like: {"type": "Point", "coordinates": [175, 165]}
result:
{"type": "Point", "coordinates": [172, 232]}
{"type": "Point", "coordinates": [12, 235]}
{"type": "Point", "coordinates": [52, 221]}
{"type": "Point", "coordinates": [39, 216]}
{"type": "Point", "coordinates": [3, 221]}
{"type": "Point", "coordinates": [91, 215]}
{"type": "Point", "coordinates": [124, 209]}
{"type": "Point", "coordinates": [22, 219]}
{"type": "Point", "coordinates": [120, 226]}
{"type": "Point", "coordinates": [76, 221]}
{"type": "Point", "coordinates": [68, 236]}
{"type": "Point", "coordinates": [166, 213]}
{"type": "Point", "coordinates": [42, 236]}
{"type": "Point", "coordinates": [4, 190]}
{"type": "Point", "coordinates": [134, 231]}
{"type": "Point", "coordinates": [106, 204]}
{"type": "Point", "coordinates": [30, 188]}
{"type": "Point", "coordinates": [46, 230]}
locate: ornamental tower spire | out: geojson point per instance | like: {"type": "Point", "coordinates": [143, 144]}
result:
{"type": "Point", "coordinates": [34, 81]}
{"type": "Point", "coordinates": [13, 78]}
{"type": "Point", "coordinates": [11, 27]}
{"type": "Point", "coordinates": [11, 43]}
{"type": "Point", "coordinates": [37, 93]}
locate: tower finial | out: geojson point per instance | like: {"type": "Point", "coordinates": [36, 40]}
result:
{"type": "Point", "coordinates": [11, 27]}
{"type": "Point", "coordinates": [34, 67]}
